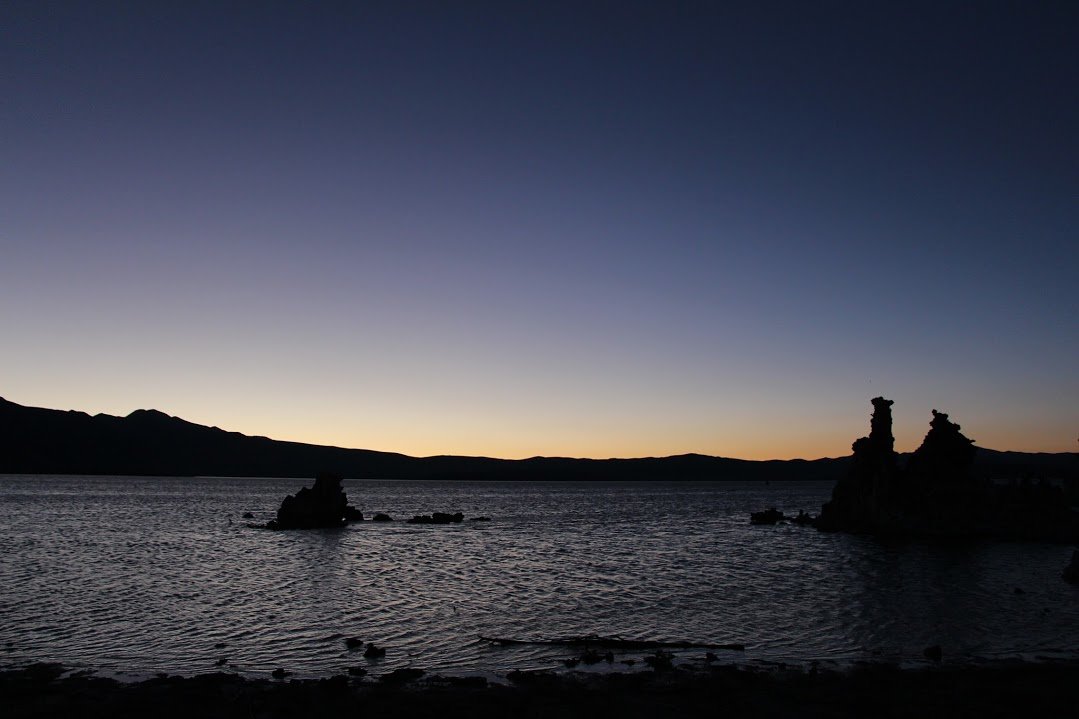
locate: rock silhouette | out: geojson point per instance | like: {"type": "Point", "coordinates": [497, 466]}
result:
{"type": "Point", "coordinates": [861, 498]}
{"type": "Point", "coordinates": [768, 516]}
{"type": "Point", "coordinates": [937, 494]}
{"type": "Point", "coordinates": [323, 505]}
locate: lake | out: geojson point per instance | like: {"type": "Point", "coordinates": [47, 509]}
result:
{"type": "Point", "coordinates": [132, 576]}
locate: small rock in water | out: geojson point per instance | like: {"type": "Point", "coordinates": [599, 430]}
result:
{"type": "Point", "coordinates": [480, 519]}
{"type": "Point", "coordinates": [357, 671]}
{"type": "Point", "coordinates": [710, 657]}
{"type": "Point", "coordinates": [220, 645]}
{"type": "Point", "coordinates": [437, 518]}
{"type": "Point", "coordinates": [380, 517]}
{"type": "Point", "coordinates": [768, 516]}
{"type": "Point", "coordinates": [279, 673]}
{"type": "Point", "coordinates": [571, 662]}
{"type": "Point", "coordinates": [353, 642]}
{"type": "Point", "coordinates": [248, 515]}
{"type": "Point", "coordinates": [933, 653]}
{"type": "Point", "coordinates": [221, 662]}
{"type": "Point", "coordinates": [374, 652]}
{"type": "Point", "coordinates": [1018, 590]}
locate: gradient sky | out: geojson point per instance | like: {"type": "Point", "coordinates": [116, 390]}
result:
{"type": "Point", "coordinates": [550, 228]}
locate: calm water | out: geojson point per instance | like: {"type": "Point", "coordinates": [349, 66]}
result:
{"type": "Point", "coordinates": [131, 576]}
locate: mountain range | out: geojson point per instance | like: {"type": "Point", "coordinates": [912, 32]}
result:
{"type": "Point", "coordinates": [35, 440]}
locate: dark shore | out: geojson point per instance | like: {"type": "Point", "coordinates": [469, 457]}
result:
{"type": "Point", "coordinates": [1031, 689]}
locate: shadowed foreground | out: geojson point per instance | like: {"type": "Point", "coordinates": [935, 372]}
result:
{"type": "Point", "coordinates": [1006, 690]}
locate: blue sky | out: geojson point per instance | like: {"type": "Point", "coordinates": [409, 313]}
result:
{"type": "Point", "coordinates": [593, 229]}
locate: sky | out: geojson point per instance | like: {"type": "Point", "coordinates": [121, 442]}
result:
{"type": "Point", "coordinates": [546, 228]}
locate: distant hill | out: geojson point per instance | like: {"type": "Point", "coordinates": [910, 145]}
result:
{"type": "Point", "coordinates": [147, 442]}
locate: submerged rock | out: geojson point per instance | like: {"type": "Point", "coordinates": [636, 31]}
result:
{"type": "Point", "coordinates": [380, 517]}
{"type": "Point", "coordinates": [322, 505]}
{"type": "Point", "coordinates": [374, 652]}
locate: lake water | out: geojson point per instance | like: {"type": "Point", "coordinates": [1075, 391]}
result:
{"type": "Point", "coordinates": [131, 576]}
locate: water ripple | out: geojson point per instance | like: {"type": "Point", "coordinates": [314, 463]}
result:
{"type": "Point", "coordinates": [138, 575]}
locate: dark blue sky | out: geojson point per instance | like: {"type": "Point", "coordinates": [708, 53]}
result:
{"type": "Point", "coordinates": [546, 228]}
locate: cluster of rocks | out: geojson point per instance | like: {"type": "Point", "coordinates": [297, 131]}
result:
{"type": "Point", "coordinates": [437, 518]}
{"type": "Point", "coordinates": [323, 505]}
{"type": "Point", "coordinates": [373, 651]}
{"type": "Point", "coordinates": [937, 494]}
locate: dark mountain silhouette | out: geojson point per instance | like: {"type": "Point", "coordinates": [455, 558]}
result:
{"type": "Point", "coordinates": [147, 442]}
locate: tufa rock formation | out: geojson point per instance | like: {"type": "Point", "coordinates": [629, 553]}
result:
{"type": "Point", "coordinates": [937, 494]}
{"type": "Point", "coordinates": [862, 500]}
{"type": "Point", "coordinates": [322, 505]}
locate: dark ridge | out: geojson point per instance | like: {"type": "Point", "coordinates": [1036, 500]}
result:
{"type": "Point", "coordinates": [150, 443]}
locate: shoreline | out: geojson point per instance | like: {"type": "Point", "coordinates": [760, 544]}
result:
{"type": "Point", "coordinates": [1034, 688]}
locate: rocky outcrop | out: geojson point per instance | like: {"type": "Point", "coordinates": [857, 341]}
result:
{"type": "Point", "coordinates": [937, 494]}
{"type": "Point", "coordinates": [862, 500]}
{"type": "Point", "coordinates": [323, 505]}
